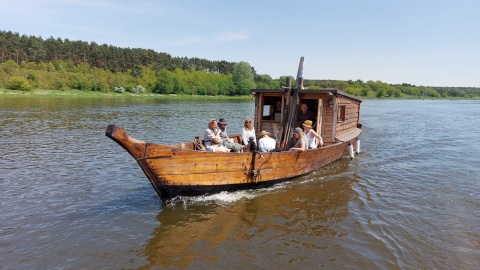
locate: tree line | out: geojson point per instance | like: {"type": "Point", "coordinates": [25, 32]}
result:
{"type": "Point", "coordinates": [381, 89]}
{"type": "Point", "coordinates": [115, 59]}
{"type": "Point", "coordinates": [29, 62]}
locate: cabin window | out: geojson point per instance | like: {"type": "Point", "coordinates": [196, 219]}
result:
{"type": "Point", "coordinates": [341, 113]}
{"type": "Point", "coordinates": [270, 114]}
{"type": "Point", "coordinates": [266, 111]}
{"type": "Point", "coordinates": [272, 108]}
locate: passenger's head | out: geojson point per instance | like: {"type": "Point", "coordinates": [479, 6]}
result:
{"type": "Point", "coordinates": [212, 123]}
{"type": "Point", "coordinates": [248, 123]}
{"type": "Point", "coordinates": [265, 133]}
{"type": "Point", "coordinates": [222, 122]}
{"type": "Point", "coordinates": [304, 107]}
{"type": "Point", "coordinates": [307, 125]}
{"type": "Point", "coordinates": [298, 133]}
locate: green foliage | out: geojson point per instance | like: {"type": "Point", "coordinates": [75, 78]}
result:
{"type": "Point", "coordinates": [383, 90]}
{"type": "Point", "coordinates": [352, 90]}
{"type": "Point", "coordinates": [365, 91]}
{"type": "Point", "coordinates": [31, 49]}
{"type": "Point", "coordinates": [358, 88]}
{"type": "Point", "coordinates": [243, 78]}
{"type": "Point", "coordinates": [9, 67]}
{"type": "Point", "coordinates": [266, 82]}
{"type": "Point", "coordinates": [136, 72]}
{"type": "Point", "coordinates": [18, 83]}
{"type": "Point", "coordinates": [84, 77]}
{"type": "Point", "coordinates": [165, 82]}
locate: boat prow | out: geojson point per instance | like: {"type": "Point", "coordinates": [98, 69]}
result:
{"type": "Point", "coordinates": [135, 147]}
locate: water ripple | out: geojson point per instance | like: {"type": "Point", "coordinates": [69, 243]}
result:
{"type": "Point", "coordinates": [71, 198]}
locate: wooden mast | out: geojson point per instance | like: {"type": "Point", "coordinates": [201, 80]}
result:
{"type": "Point", "coordinates": [292, 108]}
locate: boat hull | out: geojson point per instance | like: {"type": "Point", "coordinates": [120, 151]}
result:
{"type": "Point", "coordinates": [181, 171]}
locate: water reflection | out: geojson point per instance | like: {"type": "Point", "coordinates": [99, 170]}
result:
{"type": "Point", "coordinates": [297, 214]}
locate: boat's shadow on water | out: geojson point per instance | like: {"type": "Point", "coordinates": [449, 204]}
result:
{"type": "Point", "coordinates": [217, 228]}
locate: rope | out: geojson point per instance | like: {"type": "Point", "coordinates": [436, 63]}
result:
{"type": "Point", "coordinates": [257, 173]}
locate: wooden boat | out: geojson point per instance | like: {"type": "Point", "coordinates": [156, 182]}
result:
{"type": "Point", "coordinates": [181, 170]}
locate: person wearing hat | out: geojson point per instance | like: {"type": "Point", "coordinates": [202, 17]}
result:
{"type": "Point", "coordinates": [266, 143]}
{"type": "Point", "coordinates": [213, 142]}
{"type": "Point", "coordinates": [227, 142]}
{"type": "Point", "coordinates": [302, 143]}
{"type": "Point", "coordinates": [312, 136]}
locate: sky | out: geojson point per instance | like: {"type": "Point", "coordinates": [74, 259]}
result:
{"type": "Point", "coordinates": [420, 42]}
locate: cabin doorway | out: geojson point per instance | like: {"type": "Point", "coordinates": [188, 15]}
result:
{"type": "Point", "coordinates": [314, 109]}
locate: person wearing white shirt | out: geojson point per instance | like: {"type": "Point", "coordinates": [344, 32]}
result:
{"type": "Point", "coordinates": [266, 143]}
{"type": "Point", "coordinates": [248, 131]}
{"type": "Point", "coordinates": [312, 136]}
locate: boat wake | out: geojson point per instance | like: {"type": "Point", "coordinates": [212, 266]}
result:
{"type": "Point", "coordinates": [228, 198]}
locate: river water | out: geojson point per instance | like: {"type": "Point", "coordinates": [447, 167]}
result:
{"type": "Point", "coordinates": [73, 199]}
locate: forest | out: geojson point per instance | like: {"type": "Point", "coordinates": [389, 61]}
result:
{"type": "Point", "coordinates": [30, 62]}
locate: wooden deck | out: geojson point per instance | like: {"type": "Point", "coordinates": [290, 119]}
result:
{"type": "Point", "coordinates": [354, 133]}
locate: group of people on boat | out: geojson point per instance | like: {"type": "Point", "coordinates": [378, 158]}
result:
{"type": "Point", "coordinates": [307, 138]}
{"type": "Point", "coordinates": [216, 138]}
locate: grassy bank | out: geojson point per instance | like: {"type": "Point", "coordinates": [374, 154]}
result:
{"type": "Point", "coordinates": [5, 93]}
{"type": "Point", "coordinates": [94, 94]}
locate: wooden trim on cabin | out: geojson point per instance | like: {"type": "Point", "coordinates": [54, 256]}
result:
{"type": "Point", "coordinates": [258, 107]}
{"type": "Point", "coordinates": [324, 119]}
{"type": "Point", "coordinates": [334, 117]}
{"type": "Point", "coordinates": [319, 117]}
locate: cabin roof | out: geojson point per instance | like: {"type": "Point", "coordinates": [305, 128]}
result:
{"type": "Point", "coordinates": [329, 91]}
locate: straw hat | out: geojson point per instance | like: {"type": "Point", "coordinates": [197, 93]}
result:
{"type": "Point", "coordinates": [263, 133]}
{"type": "Point", "coordinates": [307, 123]}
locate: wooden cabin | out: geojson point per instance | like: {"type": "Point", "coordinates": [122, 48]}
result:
{"type": "Point", "coordinates": [337, 113]}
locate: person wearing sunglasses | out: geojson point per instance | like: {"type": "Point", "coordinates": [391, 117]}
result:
{"type": "Point", "coordinates": [248, 131]}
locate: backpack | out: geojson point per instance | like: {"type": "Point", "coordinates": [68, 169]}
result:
{"type": "Point", "coordinates": [198, 144]}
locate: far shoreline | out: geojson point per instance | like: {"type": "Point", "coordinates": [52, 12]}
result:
{"type": "Point", "coordinates": [73, 93]}
{"type": "Point", "coordinates": [96, 94]}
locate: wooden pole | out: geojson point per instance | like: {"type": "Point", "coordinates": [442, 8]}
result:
{"type": "Point", "coordinates": [292, 108]}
